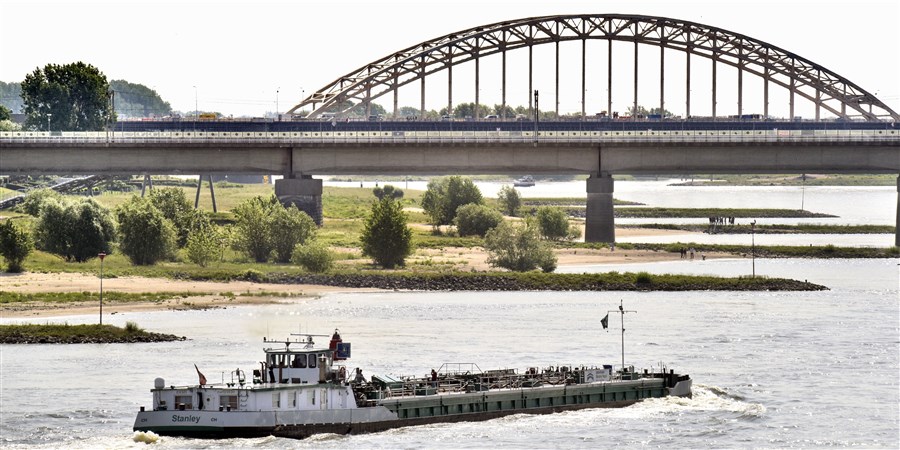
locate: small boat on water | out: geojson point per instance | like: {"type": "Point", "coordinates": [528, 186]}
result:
{"type": "Point", "coordinates": [298, 392]}
{"type": "Point", "coordinates": [526, 181]}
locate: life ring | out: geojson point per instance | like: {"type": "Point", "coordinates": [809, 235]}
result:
{"type": "Point", "coordinates": [342, 373]}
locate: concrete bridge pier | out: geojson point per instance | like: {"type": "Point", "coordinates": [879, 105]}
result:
{"type": "Point", "coordinates": [599, 224]}
{"type": "Point", "coordinates": [304, 192]}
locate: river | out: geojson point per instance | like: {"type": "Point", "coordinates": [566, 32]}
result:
{"type": "Point", "coordinates": [771, 369]}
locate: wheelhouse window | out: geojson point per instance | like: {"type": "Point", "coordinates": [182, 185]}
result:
{"type": "Point", "coordinates": [186, 400]}
{"type": "Point", "coordinates": [276, 400]}
{"type": "Point", "coordinates": [299, 362]}
{"type": "Point", "coordinates": [312, 360]}
{"type": "Point", "coordinates": [228, 401]}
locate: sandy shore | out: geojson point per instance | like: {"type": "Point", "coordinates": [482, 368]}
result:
{"type": "Point", "coordinates": [200, 294]}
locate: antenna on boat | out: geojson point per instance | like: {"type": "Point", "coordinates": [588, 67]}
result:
{"type": "Point", "coordinates": [622, 311]}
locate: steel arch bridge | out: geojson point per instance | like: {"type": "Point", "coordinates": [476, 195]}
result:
{"type": "Point", "coordinates": [800, 76]}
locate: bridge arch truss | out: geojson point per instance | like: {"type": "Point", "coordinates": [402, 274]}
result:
{"type": "Point", "coordinates": [801, 77]}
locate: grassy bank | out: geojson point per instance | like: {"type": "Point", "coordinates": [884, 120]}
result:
{"type": "Point", "coordinates": [769, 251]}
{"type": "Point", "coordinates": [771, 229]}
{"type": "Point", "coordinates": [714, 212]}
{"type": "Point", "coordinates": [79, 334]}
{"type": "Point", "coordinates": [538, 281]}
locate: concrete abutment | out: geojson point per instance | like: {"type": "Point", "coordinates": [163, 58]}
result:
{"type": "Point", "coordinates": [304, 192]}
{"type": "Point", "coordinates": [599, 224]}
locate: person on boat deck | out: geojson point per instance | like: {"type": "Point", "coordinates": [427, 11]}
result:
{"type": "Point", "coordinates": [359, 376]}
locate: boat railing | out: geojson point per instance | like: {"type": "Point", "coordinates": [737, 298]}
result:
{"type": "Point", "coordinates": [452, 379]}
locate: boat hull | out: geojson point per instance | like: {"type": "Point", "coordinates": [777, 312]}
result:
{"type": "Point", "coordinates": [408, 410]}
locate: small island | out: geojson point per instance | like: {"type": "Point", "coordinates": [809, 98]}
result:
{"type": "Point", "coordinates": [80, 334]}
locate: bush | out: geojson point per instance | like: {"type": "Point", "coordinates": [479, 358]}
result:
{"type": "Point", "coordinates": [252, 227]}
{"type": "Point", "coordinates": [15, 245]}
{"type": "Point", "coordinates": [174, 205]}
{"type": "Point", "coordinates": [76, 231]}
{"type": "Point", "coordinates": [145, 235]}
{"type": "Point", "coordinates": [289, 227]}
{"type": "Point", "coordinates": [387, 191]}
{"type": "Point", "coordinates": [473, 219]}
{"type": "Point", "coordinates": [518, 248]}
{"type": "Point", "coordinates": [510, 200]}
{"type": "Point", "coordinates": [385, 237]}
{"type": "Point", "coordinates": [35, 200]}
{"type": "Point", "coordinates": [132, 327]}
{"type": "Point", "coordinates": [313, 256]}
{"type": "Point", "coordinates": [643, 278]}
{"type": "Point", "coordinates": [204, 243]}
{"type": "Point", "coordinates": [554, 224]}
{"type": "Point", "coordinates": [445, 195]}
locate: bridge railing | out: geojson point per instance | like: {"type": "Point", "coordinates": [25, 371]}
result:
{"type": "Point", "coordinates": [460, 137]}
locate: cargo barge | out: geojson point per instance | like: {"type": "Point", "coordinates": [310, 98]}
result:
{"type": "Point", "coordinates": [298, 392]}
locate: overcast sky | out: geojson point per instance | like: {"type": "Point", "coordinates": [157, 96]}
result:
{"type": "Point", "coordinates": [249, 57]}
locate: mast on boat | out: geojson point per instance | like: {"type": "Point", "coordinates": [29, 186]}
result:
{"type": "Point", "coordinates": [622, 312]}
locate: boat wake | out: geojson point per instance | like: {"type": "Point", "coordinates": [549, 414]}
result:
{"type": "Point", "coordinates": [147, 437]}
{"type": "Point", "coordinates": [706, 398]}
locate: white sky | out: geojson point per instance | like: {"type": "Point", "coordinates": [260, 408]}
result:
{"type": "Point", "coordinates": [239, 53]}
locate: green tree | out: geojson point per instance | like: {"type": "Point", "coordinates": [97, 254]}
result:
{"type": "Point", "coordinates": [409, 111]}
{"type": "Point", "coordinates": [5, 113]}
{"type": "Point", "coordinates": [289, 227]}
{"type": "Point", "coordinates": [252, 227]}
{"type": "Point", "coordinates": [76, 231]}
{"type": "Point", "coordinates": [387, 191]}
{"type": "Point", "coordinates": [473, 219]}
{"type": "Point", "coordinates": [313, 256]}
{"type": "Point", "coordinates": [73, 97]}
{"type": "Point", "coordinates": [137, 100]}
{"type": "Point", "coordinates": [11, 96]}
{"type": "Point", "coordinates": [386, 238]}
{"type": "Point", "coordinates": [507, 113]}
{"type": "Point", "coordinates": [204, 243]}
{"type": "Point", "coordinates": [444, 195]}
{"type": "Point", "coordinates": [35, 200]}
{"type": "Point", "coordinates": [145, 235]}
{"type": "Point", "coordinates": [518, 249]}
{"type": "Point", "coordinates": [15, 246]}
{"type": "Point", "coordinates": [174, 205]}
{"type": "Point", "coordinates": [553, 224]}
{"type": "Point", "coordinates": [510, 200]}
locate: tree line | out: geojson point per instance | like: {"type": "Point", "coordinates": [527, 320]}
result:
{"type": "Point", "coordinates": [153, 229]}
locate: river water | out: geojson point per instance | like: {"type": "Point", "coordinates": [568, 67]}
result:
{"type": "Point", "coordinates": [771, 370]}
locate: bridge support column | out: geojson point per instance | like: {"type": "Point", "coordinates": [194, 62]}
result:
{"type": "Point", "coordinates": [897, 223]}
{"type": "Point", "coordinates": [304, 192]}
{"type": "Point", "coordinates": [599, 224]}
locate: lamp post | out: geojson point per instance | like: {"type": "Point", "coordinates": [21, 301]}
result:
{"type": "Point", "coordinates": [277, 116]}
{"type": "Point", "coordinates": [101, 256]}
{"type": "Point", "coordinates": [196, 109]}
{"type": "Point", "coordinates": [48, 121]}
{"type": "Point", "coordinates": [753, 247]}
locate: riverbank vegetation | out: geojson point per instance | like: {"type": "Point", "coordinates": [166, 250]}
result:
{"type": "Point", "coordinates": [79, 334]}
{"type": "Point", "coordinates": [768, 251]}
{"type": "Point", "coordinates": [769, 229]}
{"type": "Point", "coordinates": [344, 211]}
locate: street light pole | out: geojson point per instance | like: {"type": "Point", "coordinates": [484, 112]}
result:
{"type": "Point", "coordinates": [753, 247]}
{"type": "Point", "coordinates": [277, 116]}
{"type": "Point", "coordinates": [48, 121]}
{"type": "Point", "coordinates": [196, 109]}
{"type": "Point", "coordinates": [101, 255]}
